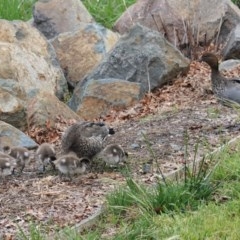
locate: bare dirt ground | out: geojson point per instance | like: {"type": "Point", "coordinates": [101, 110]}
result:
{"type": "Point", "coordinates": [178, 115]}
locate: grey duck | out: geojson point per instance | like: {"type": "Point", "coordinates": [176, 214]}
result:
{"type": "Point", "coordinates": [86, 139]}
{"type": "Point", "coordinates": [226, 90]}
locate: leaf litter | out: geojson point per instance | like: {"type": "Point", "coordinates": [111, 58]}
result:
{"type": "Point", "coordinates": [154, 131]}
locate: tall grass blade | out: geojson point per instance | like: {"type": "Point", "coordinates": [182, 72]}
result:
{"type": "Point", "coordinates": [154, 158]}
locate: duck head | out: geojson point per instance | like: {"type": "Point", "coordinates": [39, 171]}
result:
{"type": "Point", "coordinates": [211, 59]}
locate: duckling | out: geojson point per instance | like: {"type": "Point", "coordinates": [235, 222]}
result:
{"type": "Point", "coordinates": [85, 138]}
{"type": "Point", "coordinates": [70, 164]}
{"type": "Point", "coordinates": [21, 155]}
{"type": "Point", "coordinates": [112, 155]}
{"type": "Point", "coordinates": [7, 165]}
{"type": "Point", "coordinates": [45, 155]}
{"type": "Point", "coordinates": [227, 90]}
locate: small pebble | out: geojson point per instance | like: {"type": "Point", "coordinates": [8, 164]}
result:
{"type": "Point", "coordinates": [146, 168]}
{"type": "Point", "coordinates": [135, 146]}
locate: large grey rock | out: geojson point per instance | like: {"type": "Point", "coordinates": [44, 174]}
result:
{"type": "Point", "coordinates": [143, 56]}
{"type": "Point", "coordinates": [52, 17]}
{"type": "Point", "coordinates": [12, 107]}
{"type": "Point", "coordinates": [46, 108]}
{"type": "Point", "coordinates": [81, 50]}
{"type": "Point", "coordinates": [26, 56]}
{"type": "Point", "coordinates": [183, 22]}
{"type": "Point", "coordinates": [232, 48]}
{"type": "Point", "coordinates": [99, 96]}
{"type": "Point", "coordinates": [14, 87]}
{"type": "Point", "coordinates": [229, 65]}
{"type": "Point", "coordinates": [11, 136]}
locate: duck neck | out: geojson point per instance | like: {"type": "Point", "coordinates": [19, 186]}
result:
{"type": "Point", "coordinates": [217, 79]}
{"type": "Point", "coordinates": [215, 73]}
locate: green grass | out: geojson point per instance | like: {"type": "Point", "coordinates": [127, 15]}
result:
{"type": "Point", "coordinates": [237, 2]}
{"type": "Point", "coordinates": [106, 12]}
{"type": "Point", "coordinates": [173, 197]}
{"type": "Point", "coordinates": [16, 9]}
{"type": "Point", "coordinates": [35, 233]}
{"type": "Point", "coordinates": [209, 222]}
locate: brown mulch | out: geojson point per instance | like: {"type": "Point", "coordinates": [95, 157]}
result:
{"type": "Point", "coordinates": [159, 128]}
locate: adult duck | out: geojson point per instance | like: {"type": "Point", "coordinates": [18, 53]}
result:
{"type": "Point", "coordinates": [227, 90]}
{"type": "Point", "coordinates": [85, 139]}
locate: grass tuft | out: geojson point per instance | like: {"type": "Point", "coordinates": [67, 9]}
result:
{"type": "Point", "coordinates": [16, 9]}
{"type": "Point", "coordinates": [34, 233]}
{"type": "Point", "coordinates": [178, 196]}
{"type": "Point", "coordinates": [106, 12]}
